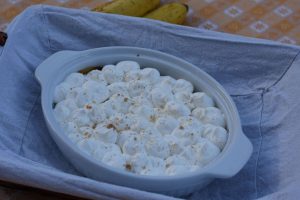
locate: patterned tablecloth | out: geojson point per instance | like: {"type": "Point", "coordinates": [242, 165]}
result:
{"type": "Point", "coordinates": [269, 19]}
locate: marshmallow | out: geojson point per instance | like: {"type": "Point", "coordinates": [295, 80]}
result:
{"type": "Point", "coordinates": [160, 97]}
{"type": "Point", "coordinates": [150, 75]}
{"type": "Point", "coordinates": [136, 88]}
{"type": "Point", "coordinates": [140, 124]}
{"type": "Point", "coordinates": [121, 121]}
{"type": "Point", "coordinates": [175, 144]}
{"type": "Point", "coordinates": [183, 97]}
{"type": "Point", "coordinates": [182, 85]}
{"type": "Point", "coordinates": [210, 115]}
{"type": "Point", "coordinates": [75, 80]}
{"type": "Point", "coordinates": [155, 167]}
{"type": "Point", "coordinates": [216, 134]}
{"type": "Point", "coordinates": [205, 151]}
{"type": "Point", "coordinates": [120, 103]}
{"type": "Point", "coordinates": [132, 76]}
{"type": "Point", "coordinates": [144, 111]}
{"type": "Point", "coordinates": [176, 169]}
{"type": "Point", "coordinates": [177, 109]}
{"type": "Point", "coordinates": [61, 91]}
{"type": "Point", "coordinates": [167, 81]}
{"type": "Point", "coordinates": [106, 133]}
{"type": "Point", "coordinates": [112, 74]}
{"type": "Point", "coordinates": [118, 88]}
{"type": "Point", "coordinates": [102, 148]}
{"type": "Point", "coordinates": [157, 147]}
{"type": "Point", "coordinates": [114, 159]}
{"type": "Point", "coordinates": [88, 145]}
{"type": "Point", "coordinates": [133, 145]}
{"type": "Point", "coordinates": [75, 137]}
{"type": "Point", "coordinates": [80, 117]}
{"type": "Point", "coordinates": [200, 99]}
{"type": "Point", "coordinates": [63, 109]}
{"type": "Point", "coordinates": [97, 114]}
{"type": "Point", "coordinates": [166, 124]}
{"type": "Point", "coordinates": [92, 92]}
{"type": "Point", "coordinates": [124, 135]}
{"type": "Point", "coordinates": [127, 66]}
{"type": "Point", "coordinates": [96, 75]}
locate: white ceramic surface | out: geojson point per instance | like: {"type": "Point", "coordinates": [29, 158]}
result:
{"type": "Point", "coordinates": [233, 157]}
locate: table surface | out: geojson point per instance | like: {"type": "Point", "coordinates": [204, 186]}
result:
{"type": "Point", "coordinates": [277, 20]}
{"type": "Point", "coordinates": [269, 19]}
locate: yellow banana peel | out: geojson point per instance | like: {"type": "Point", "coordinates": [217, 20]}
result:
{"type": "Point", "coordinates": [173, 13]}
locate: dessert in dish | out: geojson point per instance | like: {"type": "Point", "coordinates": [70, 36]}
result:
{"type": "Point", "coordinates": [137, 120]}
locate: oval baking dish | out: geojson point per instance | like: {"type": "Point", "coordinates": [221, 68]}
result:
{"type": "Point", "coordinates": [233, 157]}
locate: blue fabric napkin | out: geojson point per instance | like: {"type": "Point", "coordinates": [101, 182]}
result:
{"type": "Point", "coordinates": [261, 76]}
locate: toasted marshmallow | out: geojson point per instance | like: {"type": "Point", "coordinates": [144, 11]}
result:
{"type": "Point", "coordinates": [120, 103]}
{"type": "Point", "coordinates": [121, 122]}
{"type": "Point", "coordinates": [106, 133]}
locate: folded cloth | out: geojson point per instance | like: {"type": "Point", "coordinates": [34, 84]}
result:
{"type": "Point", "coordinates": [261, 76]}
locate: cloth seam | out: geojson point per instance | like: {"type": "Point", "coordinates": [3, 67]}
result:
{"type": "Point", "coordinates": [27, 122]}
{"type": "Point", "coordinates": [285, 71]}
{"type": "Point", "coordinates": [40, 12]}
{"type": "Point", "coordinates": [260, 143]}
{"type": "Point", "coordinates": [43, 17]}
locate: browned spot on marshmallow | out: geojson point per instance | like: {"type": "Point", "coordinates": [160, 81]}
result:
{"type": "Point", "coordinates": [88, 106]}
{"type": "Point", "coordinates": [128, 166]}
{"type": "Point", "coordinates": [110, 126]}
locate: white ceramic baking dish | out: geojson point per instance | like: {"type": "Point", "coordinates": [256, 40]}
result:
{"type": "Point", "coordinates": [233, 157]}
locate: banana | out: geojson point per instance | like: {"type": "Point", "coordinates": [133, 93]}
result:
{"type": "Point", "coordinates": [173, 13]}
{"type": "Point", "coordinates": [88, 69]}
{"type": "Point", "coordinates": [101, 6]}
{"type": "Point", "coordinates": [135, 8]}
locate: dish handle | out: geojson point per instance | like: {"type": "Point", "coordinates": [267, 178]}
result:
{"type": "Point", "coordinates": [239, 153]}
{"type": "Point", "coordinates": [51, 66]}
